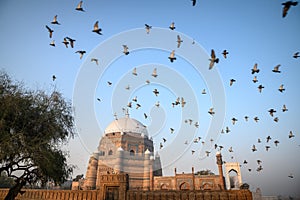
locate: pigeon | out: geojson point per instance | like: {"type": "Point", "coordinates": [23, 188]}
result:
{"type": "Point", "coordinates": [134, 99]}
{"type": "Point", "coordinates": [147, 27]}
{"type": "Point", "coordinates": [193, 2]}
{"type": "Point", "coordinates": [147, 82]}
{"type": "Point", "coordinates": [253, 148]}
{"type": "Point", "coordinates": [156, 92]}
{"type": "Point", "coordinates": [286, 7]}
{"type": "Point", "coordinates": [182, 102]}
{"type": "Point", "coordinates": [267, 148]}
{"type": "Point", "coordinates": [232, 81]}
{"type": "Point", "coordinates": [268, 138]}
{"type": "Point", "coordinates": [97, 29]}
{"type": "Point", "coordinates": [276, 119]}
{"type": "Point", "coordinates": [213, 59]}
{"type": "Point", "coordinates": [246, 118]}
{"type": "Point", "coordinates": [234, 120]}
{"type": "Point", "coordinates": [154, 73]}
{"type": "Point", "coordinates": [134, 72]}
{"type": "Point", "coordinates": [98, 99]}
{"type": "Point", "coordinates": [161, 146]}
{"type": "Point", "coordinates": [259, 168]}
{"type": "Point", "coordinates": [249, 170]}
{"type": "Point", "coordinates": [258, 140]}
{"type": "Point", "coordinates": [145, 115]}
{"type": "Point", "coordinates": [291, 135]}
{"type": "Point", "coordinates": [193, 151]}
{"type": "Point", "coordinates": [256, 119]}
{"type": "Point", "coordinates": [211, 112]}
{"type": "Point", "coordinates": [271, 111]}
{"type": "Point", "coordinates": [138, 106]}
{"type": "Point", "coordinates": [216, 146]}
{"type": "Point", "coordinates": [225, 52]}
{"type": "Point", "coordinates": [129, 105]}
{"type": "Point", "coordinates": [276, 69]}
{"type": "Point", "coordinates": [109, 83]}
{"type": "Point", "coordinates": [284, 109]}
{"type": "Point", "coordinates": [172, 130]}
{"type": "Point", "coordinates": [255, 79]}
{"type": "Point", "coordinates": [81, 52]}
{"type": "Point", "coordinates": [258, 162]}
{"type": "Point", "coordinates": [65, 42]}
{"type": "Point", "coordinates": [222, 131]}
{"type": "Point", "coordinates": [52, 43]}
{"type": "Point", "coordinates": [296, 55]}
{"type": "Point", "coordinates": [127, 87]}
{"type": "Point", "coordinates": [260, 87]}
{"type": "Point", "coordinates": [230, 149]}
{"type": "Point", "coordinates": [245, 162]}
{"type": "Point", "coordinates": [255, 69]}
{"type": "Point", "coordinates": [281, 89]}
{"type": "Point", "coordinates": [53, 77]}
{"type": "Point", "coordinates": [157, 104]}
{"type": "Point", "coordinates": [290, 176]}
{"type": "Point", "coordinates": [203, 91]}
{"type": "Point", "coordinates": [179, 40]}
{"type": "Point", "coordinates": [95, 60]}
{"type": "Point", "coordinates": [79, 7]}
{"type": "Point", "coordinates": [71, 41]}
{"type": "Point", "coordinates": [227, 129]}
{"type": "Point", "coordinates": [54, 21]}
{"type": "Point", "coordinates": [276, 142]}
{"type": "Point", "coordinates": [50, 31]}
{"type": "Point", "coordinates": [125, 49]}
{"type": "Point", "coordinates": [196, 124]}
{"type": "Point", "coordinates": [207, 153]}
{"type": "Point", "coordinates": [172, 26]}
{"type": "Point", "coordinates": [172, 56]}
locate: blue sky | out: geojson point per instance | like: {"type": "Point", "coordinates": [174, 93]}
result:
{"type": "Point", "coordinates": [251, 31]}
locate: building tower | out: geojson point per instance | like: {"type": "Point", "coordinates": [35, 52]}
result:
{"type": "Point", "coordinates": [220, 167]}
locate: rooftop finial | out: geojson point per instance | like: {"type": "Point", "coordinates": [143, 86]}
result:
{"type": "Point", "coordinates": [127, 113]}
{"type": "Point", "coordinates": [116, 116]}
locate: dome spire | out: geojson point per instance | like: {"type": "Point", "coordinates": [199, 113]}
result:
{"type": "Point", "coordinates": [127, 113]}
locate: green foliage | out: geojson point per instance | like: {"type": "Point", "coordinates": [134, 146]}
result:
{"type": "Point", "coordinates": [204, 172]}
{"type": "Point", "coordinates": [5, 181]}
{"type": "Point", "coordinates": [33, 126]}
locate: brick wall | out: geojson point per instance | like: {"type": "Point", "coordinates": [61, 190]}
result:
{"type": "Point", "coordinates": [133, 195]}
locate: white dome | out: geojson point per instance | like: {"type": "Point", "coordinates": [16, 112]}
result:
{"type": "Point", "coordinates": [126, 125]}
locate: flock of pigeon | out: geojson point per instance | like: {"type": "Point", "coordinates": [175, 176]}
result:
{"type": "Point", "coordinates": [70, 42]}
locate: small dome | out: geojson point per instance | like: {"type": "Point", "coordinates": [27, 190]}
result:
{"type": "Point", "coordinates": [126, 125]}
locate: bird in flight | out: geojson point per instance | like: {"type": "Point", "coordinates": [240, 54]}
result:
{"type": "Point", "coordinates": [71, 41]}
{"type": "Point", "coordinates": [154, 73]}
{"type": "Point", "coordinates": [253, 148]}
{"type": "Point", "coordinates": [281, 89]}
{"type": "Point", "coordinates": [134, 71]}
{"type": "Point", "coordinates": [291, 135]}
{"type": "Point", "coordinates": [179, 40]}
{"type": "Point", "coordinates": [79, 7]}
{"type": "Point", "coordinates": [271, 111]}
{"type": "Point", "coordinates": [213, 59]}
{"type": "Point", "coordinates": [296, 55]}
{"type": "Point", "coordinates": [256, 119]}
{"type": "Point", "coordinates": [172, 130]}
{"type": "Point", "coordinates": [193, 2]}
{"type": "Point", "coordinates": [147, 27]}
{"type": "Point", "coordinates": [227, 129]}
{"type": "Point", "coordinates": [182, 102]}
{"type": "Point", "coordinates": [145, 116]}
{"type": "Point", "coordinates": [81, 53]}
{"type": "Point", "coordinates": [291, 176]}
{"type": "Point", "coordinates": [254, 69]}
{"type": "Point", "coordinates": [65, 42]}
{"type": "Point", "coordinates": [172, 26]}
{"type": "Point", "coordinates": [260, 87]}
{"type": "Point", "coordinates": [268, 138]}
{"type": "Point", "coordinates": [172, 56]}
{"type": "Point", "coordinates": [54, 21]}
{"type": "Point", "coordinates": [95, 60]}
{"type": "Point", "coordinates": [276, 142]}
{"type": "Point", "coordinates": [276, 119]}
{"type": "Point", "coordinates": [234, 120]}
{"type": "Point", "coordinates": [286, 7]}
{"type": "Point", "coordinates": [276, 69]}
{"type": "Point", "coordinates": [258, 140]}
{"type": "Point", "coordinates": [246, 118]}
{"type": "Point", "coordinates": [284, 109]}
{"type": "Point", "coordinates": [109, 83]}
{"type": "Point", "coordinates": [203, 91]}
{"type": "Point", "coordinates": [267, 148]}
{"type": "Point", "coordinates": [211, 111]}
{"type": "Point", "coordinates": [98, 99]}
{"type": "Point", "coordinates": [125, 49]}
{"type": "Point", "coordinates": [156, 92]}
{"type": "Point", "coordinates": [134, 99]}
{"type": "Point", "coordinates": [52, 43]}
{"type": "Point", "coordinates": [50, 31]}
{"type": "Point", "coordinates": [97, 29]}
{"type": "Point", "coordinates": [225, 52]}
{"type": "Point", "coordinates": [255, 79]}
{"type": "Point", "coordinates": [232, 81]}
{"type": "Point", "coordinates": [53, 77]}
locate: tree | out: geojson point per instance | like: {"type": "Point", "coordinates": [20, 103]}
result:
{"type": "Point", "coordinates": [33, 128]}
{"type": "Point", "coordinates": [5, 181]}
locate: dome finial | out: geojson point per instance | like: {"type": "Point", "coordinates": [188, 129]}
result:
{"type": "Point", "coordinates": [116, 116]}
{"type": "Point", "coordinates": [127, 113]}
